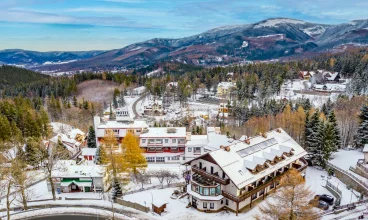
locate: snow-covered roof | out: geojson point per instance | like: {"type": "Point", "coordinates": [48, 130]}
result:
{"type": "Point", "coordinates": [74, 132]}
{"type": "Point", "coordinates": [123, 125]}
{"type": "Point", "coordinates": [69, 169]}
{"type": "Point", "coordinates": [165, 132]}
{"type": "Point", "coordinates": [226, 85]}
{"type": "Point", "coordinates": [159, 202]}
{"type": "Point", "coordinates": [67, 142]}
{"type": "Point", "coordinates": [89, 151]}
{"type": "Point", "coordinates": [330, 76]}
{"type": "Point", "coordinates": [139, 89]}
{"type": "Point", "coordinates": [172, 84]}
{"type": "Point", "coordinates": [215, 141]}
{"type": "Point", "coordinates": [197, 140]}
{"type": "Point", "coordinates": [365, 149]}
{"type": "Point", "coordinates": [242, 156]}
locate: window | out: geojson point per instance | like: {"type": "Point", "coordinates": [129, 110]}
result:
{"type": "Point", "coordinates": [254, 196]}
{"type": "Point", "coordinates": [223, 175]}
{"type": "Point", "coordinates": [168, 158]}
{"type": "Point", "coordinates": [189, 149]}
{"type": "Point", "coordinates": [205, 205]}
{"type": "Point", "coordinates": [143, 141]}
{"type": "Point", "coordinates": [116, 131]}
{"type": "Point", "coordinates": [261, 192]}
{"type": "Point", "coordinates": [150, 159]}
{"type": "Point", "coordinates": [174, 149]}
{"type": "Point", "coordinates": [205, 191]}
{"type": "Point", "coordinates": [158, 141]}
{"type": "Point", "coordinates": [131, 131]}
{"type": "Point", "coordinates": [200, 165]}
{"type": "Point", "coordinates": [218, 190]}
{"type": "Point", "coordinates": [166, 141]}
{"type": "Point", "coordinates": [197, 188]}
{"type": "Point", "coordinates": [138, 131]}
{"type": "Point", "coordinates": [222, 201]}
{"type": "Point", "coordinates": [174, 140]}
{"type": "Point", "coordinates": [227, 202]}
{"type": "Point", "coordinates": [212, 205]}
{"type": "Point", "coordinates": [201, 190]}
{"type": "Point", "coordinates": [160, 159]}
{"type": "Point", "coordinates": [272, 185]}
{"type": "Point", "coordinates": [211, 170]}
{"type": "Point", "coordinates": [158, 149]}
{"type": "Point", "coordinates": [197, 150]}
{"type": "Point", "coordinates": [183, 157]}
{"type": "Point", "coordinates": [151, 141]}
{"type": "Point", "coordinates": [212, 191]}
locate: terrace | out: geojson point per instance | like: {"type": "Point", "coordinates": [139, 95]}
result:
{"type": "Point", "coordinates": [214, 177]}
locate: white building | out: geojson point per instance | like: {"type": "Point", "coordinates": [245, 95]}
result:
{"type": "Point", "coordinates": [120, 128]}
{"type": "Point", "coordinates": [164, 145]}
{"type": "Point", "coordinates": [72, 145]}
{"type": "Point", "coordinates": [234, 176]}
{"type": "Point", "coordinates": [70, 177]}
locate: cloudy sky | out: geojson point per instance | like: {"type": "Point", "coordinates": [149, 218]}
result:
{"type": "Point", "coordinates": [70, 25]}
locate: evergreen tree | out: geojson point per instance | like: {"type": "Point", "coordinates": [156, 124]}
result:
{"type": "Point", "coordinates": [328, 143]}
{"type": "Point", "coordinates": [116, 190]}
{"type": "Point", "coordinates": [75, 103]}
{"type": "Point", "coordinates": [101, 157]}
{"type": "Point", "coordinates": [114, 99]}
{"type": "Point", "coordinates": [91, 140]}
{"type": "Point", "coordinates": [32, 151]}
{"type": "Point", "coordinates": [336, 132]}
{"type": "Point", "coordinates": [122, 100]}
{"type": "Point", "coordinates": [361, 137]}
{"type": "Point", "coordinates": [314, 129]}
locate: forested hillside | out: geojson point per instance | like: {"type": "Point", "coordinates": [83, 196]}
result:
{"type": "Point", "coordinates": [11, 76]}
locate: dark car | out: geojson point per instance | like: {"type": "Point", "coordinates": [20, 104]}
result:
{"type": "Point", "coordinates": [326, 198]}
{"type": "Point", "coordinates": [322, 205]}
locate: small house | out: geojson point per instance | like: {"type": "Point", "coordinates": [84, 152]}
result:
{"type": "Point", "coordinates": [159, 206]}
{"type": "Point", "coordinates": [89, 153]}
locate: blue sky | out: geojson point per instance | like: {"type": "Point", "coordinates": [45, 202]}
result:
{"type": "Point", "coordinates": [69, 25]}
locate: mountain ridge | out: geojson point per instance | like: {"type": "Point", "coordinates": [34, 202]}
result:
{"type": "Point", "coordinates": [271, 38]}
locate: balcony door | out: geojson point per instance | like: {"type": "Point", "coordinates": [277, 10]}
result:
{"type": "Point", "coordinates": [194, 202]}
{"type": "Point", "coordinates": [200, 165]}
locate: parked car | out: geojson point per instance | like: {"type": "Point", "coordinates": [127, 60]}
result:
{"type": "Point", "coordinates": [323, 205]}
{"type": "Point", "coordinates": [326, 198]}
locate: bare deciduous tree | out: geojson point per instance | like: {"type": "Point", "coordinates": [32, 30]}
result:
{"type": "Point", "coordinates": [290, 202]}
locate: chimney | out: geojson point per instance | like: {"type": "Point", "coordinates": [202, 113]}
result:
{"type": "Point", "coordinates": [264, 135]}
{"type": "Point", "coordinates": [247, 141]}
{"type": "Point", "coordinates": [222, 147]}
{"type": "Point", "coordinates": [227, 148]}
{"type": "Point", "coordinates": [278, 130]}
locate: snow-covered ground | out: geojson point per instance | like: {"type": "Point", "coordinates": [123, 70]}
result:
{"type": "Point", "coordinates": [316, 180]}
{"type": "Point", "coordinates": [348, 158]}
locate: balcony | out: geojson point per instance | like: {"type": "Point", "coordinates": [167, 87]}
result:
{"type": "Point", "coordinates": [268, 182]}
{"type": "Point", "coordinates": [212, 177]}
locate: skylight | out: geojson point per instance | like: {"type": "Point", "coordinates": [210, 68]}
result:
{"type": "Point", "coordinates": [257, 147]}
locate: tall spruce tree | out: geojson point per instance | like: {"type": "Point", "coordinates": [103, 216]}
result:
{"type": "Point", "coordinates": [336, 132]}
{"type": "Point", "coordinates": [122, 100]}
{"type": "Point", "coordinates": [115, 98]}
{"type": "Point", "coordinates": [91, 140]}
{"type": "Point", "coordinates": [361, 137]}
{"type": "Point", "coordinates": [116, 190]}
{"type": "Point", "coordinates": [313, 141]}
{"type": "Point", "coordinates": [100, 157]}
{"type": "Point", "coordinates": [328, 143]}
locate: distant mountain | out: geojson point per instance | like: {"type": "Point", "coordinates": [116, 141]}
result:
{"type": "Point", "coordinates": [33, 58]}
{"type": "Point", "coordinates": [268, 39]}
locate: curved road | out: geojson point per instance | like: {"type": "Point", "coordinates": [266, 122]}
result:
{"type": "Point", "coordinates": [134, 107]}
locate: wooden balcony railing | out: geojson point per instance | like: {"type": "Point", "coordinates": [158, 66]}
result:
{"type": "Point", "coordinates": [299, 167]}
{"type": "Point", "coordinates": [211, 176]}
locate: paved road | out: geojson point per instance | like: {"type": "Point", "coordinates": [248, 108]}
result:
{"type": "Point", "coordinates": [68, 217]}
{"type": "Point", "coordinates": [136, 115]}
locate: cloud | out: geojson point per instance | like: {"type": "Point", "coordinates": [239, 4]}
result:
{"type": "Point", "coordinates": [29, 16]}
{"type": "Point", "coordinates": [126, 11]}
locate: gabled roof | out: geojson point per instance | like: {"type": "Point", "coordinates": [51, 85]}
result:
{"type": "Point", "coordinates": [242, 156]}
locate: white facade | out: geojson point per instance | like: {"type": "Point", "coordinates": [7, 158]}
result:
{"type": "Point", "coordinates": [236, 175]}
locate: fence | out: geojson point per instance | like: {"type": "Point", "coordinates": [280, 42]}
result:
{"type": "Point", "coordinates": [334, 189]}
{"type": "Point", "coordinates": [361, 166]}
{"type": "Point", "coordinates": [337, 208]}
{"type": "Point", "coordinates": [179, 184]}
{"type": "Point", "coordinates": [133, 205]}
{"type": "Point", "coordinates": [353, 178]}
